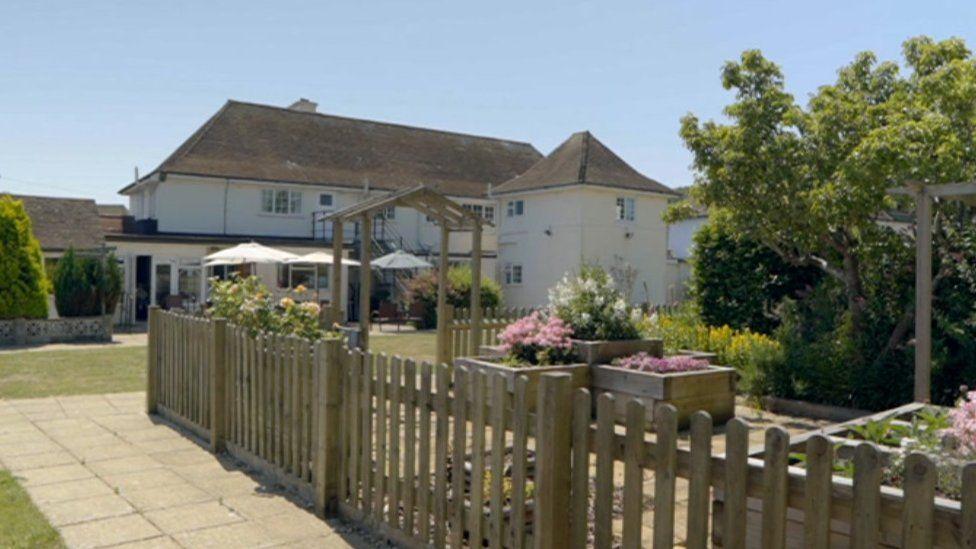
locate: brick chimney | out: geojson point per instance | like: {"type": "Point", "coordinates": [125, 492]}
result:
{"type": "Point", "coordinates": [304, 105]}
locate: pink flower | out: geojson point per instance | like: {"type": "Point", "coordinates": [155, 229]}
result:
{"type": "Point", "coordinates": [963, 418]}
{"type": "Point", "coordinates": [644, 362]}
{"type": "Point", "coordinates": [535, 331]}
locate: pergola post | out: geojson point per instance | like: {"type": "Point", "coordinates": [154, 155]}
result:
{"type": "Point", "coordinates": [476, 289]}
{"type": "Point", "coordinates": [443, 333]}
{"type": "Point", "coordinates": [336, 274]}
{"type": "Point", "coordinates": [365, 278]}
{"type": "Point", "coordinates": [923, 296]}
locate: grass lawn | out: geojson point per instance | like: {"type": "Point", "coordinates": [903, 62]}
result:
{"type": "Point", "coordinates": [32, 374]}
{"type": "Point", "coordinates": [21, 524]}
{"type": "Point", "coordinates": [418, 346]}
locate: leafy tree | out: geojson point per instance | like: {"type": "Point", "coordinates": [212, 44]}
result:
{"type": "Point", "coordinates": [83, 284]}
{"type": "Point", "coordinates": [23, 285]}
{"type": "Point", "coordinates": [423, 289]}
{"type": "Point", "coordinates": [808, 181]}
{"type": "Point", "coordinates": [736, 281]}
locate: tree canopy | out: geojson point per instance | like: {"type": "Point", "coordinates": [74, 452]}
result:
{"type": "Point", "coordinates": [23, 286]}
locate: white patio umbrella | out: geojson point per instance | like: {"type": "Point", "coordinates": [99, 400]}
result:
{"type": "Point", "coordinates": [250, 252]}
{"type": "Point", "coordinates": [399, 260]}
{"type": "Point", "coordinates": [322, 258]}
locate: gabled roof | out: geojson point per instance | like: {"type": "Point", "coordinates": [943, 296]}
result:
{"type": "Point", "coordinates": [582, 160]}
{"type": "Point", "coordinates": [60, 223]}
{"type": "Point", "coordinates": [261, 142]}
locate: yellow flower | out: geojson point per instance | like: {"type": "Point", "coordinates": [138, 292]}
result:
{"type": "Point", "coordinates": [300, 289]}
{"type": "Point", "coordinates": [286, 302]}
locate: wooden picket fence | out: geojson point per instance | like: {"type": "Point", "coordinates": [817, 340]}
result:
{"type": "Point", "coordinates": [493, 321]}
{"type": "Point", "coordinates": [434, 455]}
{"type": "Point", "coordinates": [184, 351]}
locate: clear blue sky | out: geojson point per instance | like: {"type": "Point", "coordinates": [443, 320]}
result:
{"type": "Point", "coordinates": [88, 90]}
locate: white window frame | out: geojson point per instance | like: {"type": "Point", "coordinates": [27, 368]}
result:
{"type": "Point", "coordinates": [515, 208]}
{"type": "Point", "coordinates": [513, 274]}
{"type": "Point", "coordinates": [281, 202]}
{"type": "Point", "coordinates": [626, 208]}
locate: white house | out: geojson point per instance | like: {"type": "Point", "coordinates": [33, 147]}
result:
{"type": "Point", "coordinates": [271, 174]}
{"type": "Point", "coordinates": [581, 203]}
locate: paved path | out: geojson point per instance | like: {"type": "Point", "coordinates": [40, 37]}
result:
{"type": "Point", "coordinates": [134, 339]}
{"type": "Point", "coordinates": [105, 474]}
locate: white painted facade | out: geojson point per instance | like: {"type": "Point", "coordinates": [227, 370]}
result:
{"type": "Point", "coordinates": [564, 226]}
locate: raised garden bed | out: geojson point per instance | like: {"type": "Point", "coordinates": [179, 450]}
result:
{"type": "Point", "coordinates": [602, 352]}
{"type": "Point", "coordinates": [885, 430]}
{"type": "Point", "coordinates": [494, 365]}
{"type": "Point", "coordinates": [711, 390]}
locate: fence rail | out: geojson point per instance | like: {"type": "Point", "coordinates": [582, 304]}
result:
{"type": "Point", "coordinates": [432, 455]}
{"type": "Point", "coordinates": [493, 321]}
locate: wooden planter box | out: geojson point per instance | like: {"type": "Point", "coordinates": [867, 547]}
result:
{"type": "Point", "coordinates": [711, 390]}
{"type": "Point", "coordinates": [603, 352]}
{"type": "Point", "coordinates": [840, 530]}
{"type": "Point", "coordinates": [493, 365]}
{"type": "Point", "coordinates": [700, 355]}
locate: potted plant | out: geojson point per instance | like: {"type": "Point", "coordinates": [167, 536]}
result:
{"type": "Point", "coordinates": [604, 326]}
{"type": "Point", "coordinates": [533, 345]}
{"type": "Point", "coordinates": [687, 383]}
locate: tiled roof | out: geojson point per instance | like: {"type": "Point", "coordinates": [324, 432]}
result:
{"type": "Point", "coordinates": [60, 223]}
{"type": "Point", "coordinates": [261, 142]}
{"type": "Point", "coordinates": [582, 160]}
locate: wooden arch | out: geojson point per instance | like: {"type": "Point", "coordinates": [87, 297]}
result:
{"type": "Point", "coordinates": [446, 213]}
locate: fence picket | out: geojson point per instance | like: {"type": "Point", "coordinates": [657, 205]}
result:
{"type": "Point", "coordinates": [499, 394]}
{"type": "Point", "coordinates": [736, 473]}
{"type": "Point", "coordinates": [440, 455]}
{"type": "Point", "coordinates": [423, 465]}
{"type": "Point", "coordinates": [603, 499]}
{"type": "Point", "coordinates": [865, 515]}
{"type": "Point", "coordinates": [665, 475]}
{"type": "Point", "coordinates": [633, 474]}
{"type": "Point", "coordinates": [355, 423]}
{"type": "Point", "coordinates": [410, 444]}
{"type": "Point", "coordinates": [969, 506]}
{"type": "Point", "coordinates": [393, 488]}
{"type": "Point", "coordinates": [699, 481]}
{"type": "Point", "coordinates": [294, 379]}
{"type": "Point", "coordinates": [366, 403]}
{"type": "Point", "coordinates": [476, 515]}
{"type": "Point", "coordinates": [816, 512]}
{"type": "Point", "coordinates": [917, 513]}
{"type": "Point", "coordinates": [774, 488]}
{"type": "Point", "coordinates": [581, 468]}
{"type": "Point", "coordinates": [379, 483]}
{"type": "Point", "coordinates": [458, 442]}
{"type": "Point", "coordinates": [520, 454]}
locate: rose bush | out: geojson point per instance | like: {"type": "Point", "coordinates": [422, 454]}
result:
{"type": "Point", "coordinates": [247, 302]}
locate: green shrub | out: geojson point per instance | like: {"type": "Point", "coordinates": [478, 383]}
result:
{"type": "Point", "coordinates": [738, 282]}
{"type": "Point", "coordinates": [82, 285]}
{"type": "Point", "coordinates": [23, 284]}
{"type": "Point", "coordinates": [423, 289]}
{"type": "Point", "coordinates": [755, 356]}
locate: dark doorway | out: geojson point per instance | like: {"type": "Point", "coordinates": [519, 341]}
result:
{"type": "Point", "coordinates": [143, 286]}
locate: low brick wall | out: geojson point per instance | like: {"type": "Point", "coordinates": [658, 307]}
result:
{"type": "Point", "coordinates": [21, 331]}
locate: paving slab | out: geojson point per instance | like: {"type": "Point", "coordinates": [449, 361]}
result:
{"type": "Point", "coordinates": [107, 475]}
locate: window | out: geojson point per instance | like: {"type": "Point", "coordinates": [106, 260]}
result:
{"type": "Point", "coordinates": [486, 212]}
{"type": "Point", "coordinates": [390, 213]}
{"type": "Point", "coordinates": [325, 199]}
{"type": "Point", "coordinates": [625, 209]}
{"type": "Point", "coordinates": [513, 273]}
{"type": "Point", "coordinates": [515, 208]}
{"type": "Point", "coordinates": [281, 202]}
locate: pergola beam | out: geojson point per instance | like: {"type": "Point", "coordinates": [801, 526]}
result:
{"type": "Point", "coordinates": [923, 195]}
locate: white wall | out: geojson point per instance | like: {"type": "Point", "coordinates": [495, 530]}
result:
{"type": "Point", "coordinates": [681, 236]}
{"type": "Point", "coordinates": [583, 225]}
{"type": "Point", "coordinates": [187, 204]}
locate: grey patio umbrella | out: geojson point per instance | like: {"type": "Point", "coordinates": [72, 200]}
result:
{"type": "Point", "coordinates": [400, 260]}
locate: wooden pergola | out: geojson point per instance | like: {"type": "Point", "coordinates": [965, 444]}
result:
{"type": "Point", "coordinates": [924, 196]}
{"type": "Point", "coordinates": [447, 214]}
